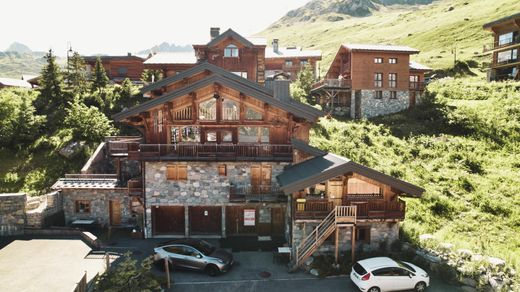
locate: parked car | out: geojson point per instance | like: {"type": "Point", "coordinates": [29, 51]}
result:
{"type": "Point", "coordinates": [385, 274]}
{"type": "Point", "coordinates": [194, 254]}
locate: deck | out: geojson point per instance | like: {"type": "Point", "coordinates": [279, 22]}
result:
{"type": "Point", "coordinates": [318, 209]}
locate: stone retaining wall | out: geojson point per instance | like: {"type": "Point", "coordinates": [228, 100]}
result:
{"type": "Point", "coordinates": [39, 208]}
{"type": "Point", "coordinates": [373, 107]}
{"type": "Point", "coordinates": [12, 214]}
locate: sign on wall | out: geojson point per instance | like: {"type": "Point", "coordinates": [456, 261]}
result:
{"type": "Point", "coordinates": [249, 217]}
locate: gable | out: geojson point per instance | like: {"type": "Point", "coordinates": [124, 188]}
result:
{"type": "Point", "coordinates": [233, 35]}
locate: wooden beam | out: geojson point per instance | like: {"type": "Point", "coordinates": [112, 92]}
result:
{"type": "Point", "coordinates": [194, 112]}
{"type": "Point", "coordinates": [337, 244]}
{"type": "Point", "coordinates": [266, 111]}
{"type": "Point", "coordinates": [353, 243]}
{"type": "Point", "coordinates": [242, 107]}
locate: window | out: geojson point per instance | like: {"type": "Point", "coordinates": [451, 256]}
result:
{"type": "Point", "coordinates": [392, 80]}
{"type": "Point", "coordinates": [384, 272]}
{"type": "Point", "coordinates": [378, 94]}
{"type": "Point", "coordinates": [122, 71]}
{"type": "Point", "coordinates": [241, 74]}
{"type": "Point", "coordinates": [230, 110]}
{"type": "Point", "coordinates": [174, 249]}
{"type": "Point", "coordinates": [222, 170]}
{"type": "Point", "coordinates": [378, 60]}
{"type": "Point", "coordinates": [393, 94]}
{"type": "Point", "coordinates": [82, 206]}
{"type": "Point", "coordinates": [363, 234]}
{"type": "Point", "coordinates": [208, 110]}
{"type": "Point", "coordinates": [288, 63]}
{"type": "Point", "coordinates": [177, 172]}
{"type": "Point", "coordinates": [507, 56]}
{"type": "Point", "coordinates": [392, 61]}
{"type": "Point", "coordinates": [253, 135]}
{"type": "Point", "coordinates": [231, 51]}
{"type": "Point", "coordinates": [505, 39]}
{"type": "Point", "coordinates": [378, 80]}
{"type": "Point", "coordinates": [251, 114]}
{"type": "Point", "coordinates": [226, 136]}
{"type": "Point", "coordinates": [190, 134]}
{"type": "Point", "coordinates": [211, 136]}
{"type": "Point", "coordinates": [414, 81]}
{"type": "Point", "coordinates": [304, 63]}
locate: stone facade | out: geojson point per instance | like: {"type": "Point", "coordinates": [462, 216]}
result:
{"type": "Point", "coordinates": [42, 207]}
{"type": "Point", "coordinates": [99, 204]}
{"type": "Point", "coordinates": [203, 187]}
{"type": "Point", "coordinates": [380, 233]}
{"type": "Point", "coordinates": [12, 214]}
{"type": "Point", "coordinates": [373, 107]}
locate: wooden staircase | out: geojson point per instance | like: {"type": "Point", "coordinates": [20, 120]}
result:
{"type": "Point", "coordinates": [338, 217]}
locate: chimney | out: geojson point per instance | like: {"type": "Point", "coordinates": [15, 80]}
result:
{"type": "Point", "coordinates": [214, 32]}
{"type": "Point", "coordinates": [129, 54]}
{"type": "Point", "coordinates": [280, 88]}
{"type": "Point", "coordinates": [275, 45]}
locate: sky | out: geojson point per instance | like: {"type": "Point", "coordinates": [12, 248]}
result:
{"type": "Point", "coordinates": [117, 26]}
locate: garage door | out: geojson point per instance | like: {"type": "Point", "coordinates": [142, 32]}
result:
{"type": "Point", "coordinates": [268, 221]}
{"type": "Point", "coordinates": [205, 220]}
{"type": "Point", "coordinates": [168, 220]}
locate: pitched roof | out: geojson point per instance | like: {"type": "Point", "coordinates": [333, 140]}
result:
{"type": "Point", "coordinates": [380, 48]}
{"type": "Point", "coordinates": [15, 82]}
{"type": "Point", "coordinates": [291, 52]}
{"type": "Point", "coordinates": [419, 67]}
{"type": "Point", "coordinates": [248, 42]}
{"type": "Point", "coordinates": [110, 58]}
{"type": "Point", "coordinates": [322, 168]}
{"type": "Point", "coordinates": [303, 146]}
{"type": "Point", "coordinates": [225, 78]}
{"type": "Point", "coordinates": [173, 58]}
{"type": "Point", "coordinates": [500, 20]}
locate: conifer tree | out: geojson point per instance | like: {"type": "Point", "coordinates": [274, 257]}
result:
{"type": "Point", "coordinates": [100, 78]}
{"type": "Point", "coordinates": [51, 87]}
{"type": "Point", "coordinates": [76, 74]}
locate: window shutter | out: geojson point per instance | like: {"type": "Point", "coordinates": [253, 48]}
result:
{"type": "Point", "coordinates": [171, 172]}
{"type": "Point", "coordinates": [222, 170]}
{"type": "Point", "coordinates": [182, 172]}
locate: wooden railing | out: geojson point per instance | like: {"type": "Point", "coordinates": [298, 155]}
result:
{"type": "Point", "coordinates": [120, 145]}
{"type": "Point", "coordinates": [336, 83]}
{"type": "Point", "coordinates": [313, 209]}
{"type": "Point", "coordinates": [496, 45]}
{"type": "Point", "coordinates": [212, 152]}
{"type": "Point", "coordinates": [260, 193]}
{"type": "Point", "coordinates": [378, 209]}
{"type": "Point", "coordinates": [417, 85]}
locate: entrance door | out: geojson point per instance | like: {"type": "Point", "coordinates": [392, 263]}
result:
{"type": "Point", "coordinates": [167, 220]}
{"type": "Point", "coordinates": [260, 178]}
{"type": "Point", "coordinates": [412, 99]}
{"type": "Point", "coordinates": [115, 212]}
{"type": "Point", "coordinates": [357, 104]}
{"type": "Point", "coordinates": [205, 220]}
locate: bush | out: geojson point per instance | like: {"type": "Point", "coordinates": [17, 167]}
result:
{"type": "Point", "coordinates": [88, 123]}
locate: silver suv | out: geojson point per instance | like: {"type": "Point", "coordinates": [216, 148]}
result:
{"type": "Point", "coordinates": [194, 254]}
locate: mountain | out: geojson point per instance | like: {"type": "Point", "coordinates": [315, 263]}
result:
{"type": "Point", "coordinates": [18, 48]}
{"type": "Point", "coordinates": [436, 29]}
{"type": "Point", "coordinates": [166, 47]}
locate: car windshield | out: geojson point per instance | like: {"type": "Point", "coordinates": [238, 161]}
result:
{"type": "Point", "coordinates": [406, 266]}
{"type": "Point", "coordinates": [205, 247]}
{"type": "Point", "coordinates": [359, 269]}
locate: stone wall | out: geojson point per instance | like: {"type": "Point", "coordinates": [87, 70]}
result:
{"type": "Point", "coordinates": [373, 107]}
{"type": "Point", "coordinates": [39, 208]}
{"type": "Point", "coordinates": [99, 204]}
{"type": "Point", "coordinates": [12, 214]}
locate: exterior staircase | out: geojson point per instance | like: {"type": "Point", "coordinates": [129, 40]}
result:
{"type": "Point", "coordinates": [339, 216]}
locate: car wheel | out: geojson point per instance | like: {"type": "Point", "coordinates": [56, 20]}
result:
{"type": "Point", "coordinates": [212, 270]}
{"type": "Point", "coordinates": [421, 286]}
{"type": "Point", "coordinates": [374, 289]}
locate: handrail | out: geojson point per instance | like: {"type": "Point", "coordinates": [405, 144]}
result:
{"type": "Point", "coordinates": [339, 83]}
{"type": "Point", "coordinates": [496, 45]}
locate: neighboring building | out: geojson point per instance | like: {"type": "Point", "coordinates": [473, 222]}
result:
{"type": "Point", "coordinates": [242, 56]}
{"type": "Point", "coordinates": [118, 68]}
{"type": "Point", "coordinates": [289, 60]}
{"type": "Point", "coordinates": [34, 80]}
{"type": "Point", "coordinates": [365, 81]}
{"type": "Point", "coordinates": [171, 63]}
{"type": "Point", "coordinates": [506, 44]}
{"type": "Point", "coordinates": [11, 82]}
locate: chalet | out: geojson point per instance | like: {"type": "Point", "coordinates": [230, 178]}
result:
{"type": "Point", "coordinates": [172, 63]}
{"type": "Point", "coordinates": [224, 155]}
{"type": "Point", "coordinates": [505, 62]}
{"type": "Point", "coordinates": [365, 81]}
{"type": "Point", "coordinates": [11, 82]}
{"type": "Point", "coordinates": [118, 68]}
{"type": "Point", "coordinates": [289, 60]}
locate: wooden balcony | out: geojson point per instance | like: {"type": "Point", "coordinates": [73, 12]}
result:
{"type": "Point", "coordinates": [332, 84]}
{"type": "Point", "coordinates": [260, 193]}
{"type": "Point", "coordinates": [119, 146]}
{"type": "Point", "coordinates": [210, 152]}
{"type": "Point", "coordinates": [417, 86]}
{"type": "Point", "coordinates": [515, 41]}
{"type": "Point", "coordinates": [318, 209]}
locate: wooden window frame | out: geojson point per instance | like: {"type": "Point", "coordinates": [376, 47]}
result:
{"type": "Point", "coordinates": [392, 60]}
{"type": "Point", "coordinates": [222, 170]}
{"type": "Point", "coordinates": [379, 60]}
{"type": "Point", "coordinates": [378, 80]}
{"type": "Point", "coordinates": [378, 94]}
{"type": "Point", "coordinates": [177, 172]}
{"type": "Point", "coordinates": [393, 94]}
{"type": "Point", "coordinates": [77, 204]}
{"type": "Point", "coordinates": [231, 51]}
{"type": "Point", "coordinates": [392, 80]}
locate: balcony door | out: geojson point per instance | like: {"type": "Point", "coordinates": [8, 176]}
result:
{"type": "Point", "coordinates": [260, 178]}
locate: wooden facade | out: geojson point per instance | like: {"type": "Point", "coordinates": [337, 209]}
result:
{"type": "Point", "coordinates": [118, 67]}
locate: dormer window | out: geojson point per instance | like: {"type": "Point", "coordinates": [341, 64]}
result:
{"type": "Point", "coordinates": [231, 51]}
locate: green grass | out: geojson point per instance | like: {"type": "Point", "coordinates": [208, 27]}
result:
{"type": "Point", "coordinates": [464, 152]}
{"type": "Point", "coordinates": [430, 28]}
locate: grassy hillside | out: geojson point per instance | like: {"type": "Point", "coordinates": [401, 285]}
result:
{"type": "Point", "coordinates": [463, 147]}
{"type": "Point", "coordinates": [434, 29]}
{"type": "Point", "coordinates": [13, 64]}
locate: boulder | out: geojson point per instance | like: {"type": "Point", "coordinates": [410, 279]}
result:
{"type": "Point", "coordinates": [71, 150]}
{"type": "Point", "coordinates": [428, 256]}
{"type": "Point", "coordinates": [465, 253]}
{"type": "Point", "coordinates": [445, 246]}
{"type": "Point", "coordinates": [477, 257]}
{"type": "Point", "coordinates": [496, 262]}
{"type": "Point", "coordinates": [314, 272]}
{"type": "Point", "coordinates": [426, 237]}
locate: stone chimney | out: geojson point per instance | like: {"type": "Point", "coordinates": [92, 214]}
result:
{"type": "Point", "coordinates": [275, 45]}
{"type": "Point", "coordinates": [214, 32]}
{"type": "Point", "coordinates": [129, 54]}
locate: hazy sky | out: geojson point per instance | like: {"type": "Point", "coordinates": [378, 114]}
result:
{"type": "Point", "coordinates": [117, 26]}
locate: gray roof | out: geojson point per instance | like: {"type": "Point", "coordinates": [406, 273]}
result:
{"type": "Point", "coordinates": [82, 183]}
{"type": "Point", "coordinates": [291, 52]}
{"type": "Point", "coordinates": [381, 48]}
{"type": "Point", "coordinates": [173, 58]}
{"type": "Point", "coordinates": [15, 82]}
{"type": "Point", "coordinates": [107, 58]}
{"type": "Point", "coordinates": [225, 78]}
{"type": "Point", "coordinates": [418, 66]}
{"type": "Point", "coordinates": [248, 42]}
{"type": "Point", "coordinates": [322, 168]}
{"type": "Point", "coordinates": [303, 146]}
{"type": "Point", "coordinates": [500, 20]}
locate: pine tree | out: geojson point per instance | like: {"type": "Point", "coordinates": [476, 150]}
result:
{"type": "Point", "coordinates": [151, 75]}
{"type": "Point", "coordinates": [100, 79]}
{"type": "Point", "coordinates": [76, 74]}
{"type": "Point", "coordinates": [51, 87]}
{"type": "Point", "coordinates": [301, 88]}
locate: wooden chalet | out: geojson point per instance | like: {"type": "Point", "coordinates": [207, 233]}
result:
{"type": "Point", "coordinates": [289, 61]}
{"type": "Point", "coordinates": [504, 48]}
{"type": "Point", "coordinates": [118, 68]}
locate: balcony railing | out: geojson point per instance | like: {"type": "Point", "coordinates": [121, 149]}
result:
{"type": "Point", "coordinates": [119, 146]}
{"type": "Point", "coordinates": [211, 152]}
{"type": "Point", "coordinates": [496, 45]}
{"type": "Point", "coordinates": [333, 83]}
{"type": "Point", "coordinates": [378, 209]}
{"type": "Point", "coordinates": [258, 193]}
{"type": "Point", "coordinates": [417, 86]}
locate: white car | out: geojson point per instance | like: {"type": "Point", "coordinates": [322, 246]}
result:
{"type": "Point", "coordinates": [385, 274]}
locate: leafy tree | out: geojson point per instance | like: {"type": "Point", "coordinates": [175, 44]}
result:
{"type": "Point", "coordinates": [51, 97]}
{"type": "Point", "coordinates": [88, 123]}
{"type": "Point", "coordinates": [128, 277]}
{"type": "Point", "coordinates": [301, 88]}
{"type": "Point", "coordinates": [100, 79]}
{"type": "Point", "coordinates": [151, 75]}
{"type": "Point", "coordinates": [76, 73]}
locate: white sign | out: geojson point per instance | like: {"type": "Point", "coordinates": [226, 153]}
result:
{"type": "Point", "coordinates": [249, 217]}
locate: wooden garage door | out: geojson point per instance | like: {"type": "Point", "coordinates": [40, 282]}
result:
{"type": "Point", "coordinates": [206, 220]}
{"type": "Point", "coordinates": [235, 221]}
{"type": "Point", "coordinates": [268, 221]}
{"type": "Point", "coordinates": [168, 220]}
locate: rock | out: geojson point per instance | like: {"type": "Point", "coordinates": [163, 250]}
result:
{"type": "Point", "coordinates": [309, 261]}
{"type": "Point", "coordinates": [493, 282]}
{"type": "Point", "coordinates": [451, 8]}
{"type": "Point", "coordinates": [72, 149]}
{"type": "Point", "coordinates": [477, 257]}
{"type": "Point", "coordinates": [428, 256]}
{"type": "Point", "coordinates": [496, 262]}
{"type": "Point", "coordinates": [314, 272]}
{"type": "Point", "coordinates": [469, 282]}
{"type": "Point", "coordinates": [406, 246]}
{"type": "Point", "coordinates": [465, 253]}
{"type": "Point", "coordinates": [445, 246]}
{"type": "Point", "coordinates": [468, 289]}
{"type": "Point", "coordinates": [426, 237]}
